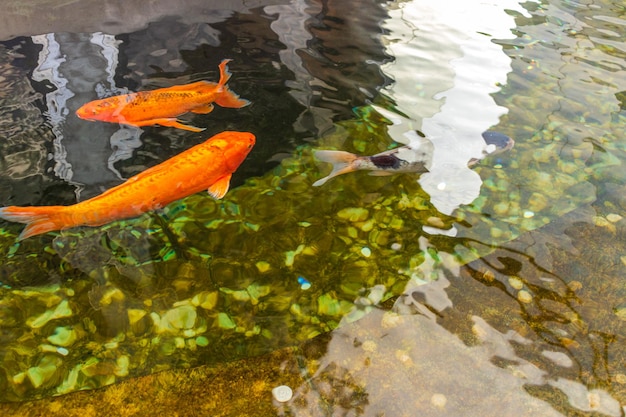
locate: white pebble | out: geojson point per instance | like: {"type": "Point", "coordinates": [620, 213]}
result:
{"type": "Point", "coordinates": [62, 351]}
{"type": "Point", "coordinates": [525, 297]}
{"type": "Point", "coordinates": [369, 346]}
{"type": "Point", "coordinates": [516, 283]}
{"type": "Point", "coordinates": [282, 393]}
{"type": "Point", "coordinates": [438, 400]}
{"type": "Point", "coordinates": [367, 252]}
{"type": "Point", "coordinates": [396, 246]}
{"type": "Point", "coordinates": [559, 358]}
{"type": "Point", "coordinates": [528, 214]}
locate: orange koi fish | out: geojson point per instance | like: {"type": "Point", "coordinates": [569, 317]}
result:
{"type": "Point", "coordinates": [208, 165]}
{"type": "Point", "coordinates": [162, 106]}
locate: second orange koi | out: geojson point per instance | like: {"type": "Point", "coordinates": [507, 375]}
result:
{"type": "Point", "coordinates": [162, 106]}
{"type": "Point", "coordinates": [208, 165]}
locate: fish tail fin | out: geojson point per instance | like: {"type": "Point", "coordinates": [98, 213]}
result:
{"type": "Point", "coordinates": [38, 220]}
{"type": "Point", "coordinates": [343, 162]}
{"type": "Point", "coordinates": [224, 73]}
{"type": "Point", "coordinates": [226, 97]}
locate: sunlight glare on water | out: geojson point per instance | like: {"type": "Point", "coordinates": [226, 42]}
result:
{"type": "Point", "coordinates": [456, 107]}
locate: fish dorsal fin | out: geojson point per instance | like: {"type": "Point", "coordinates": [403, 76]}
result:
{"type": "Point", "coordinates": [219, 188]}
{"type": "Point", "coordinates": [224, 73]}
{"type": "Point", "coordinates": [198, 85]}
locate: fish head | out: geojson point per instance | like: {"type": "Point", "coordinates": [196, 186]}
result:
{"type": "Point", "coordinates": [102, 110]}
{"type": "Point", "coordinates": [235, 146]}
{"type": "Point", "coordinates": [496, 142]}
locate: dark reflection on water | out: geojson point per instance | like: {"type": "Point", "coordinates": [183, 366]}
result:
{"type": "Point", "coordinates": [343, 68]}
{"type": "Point", "coordinates": [23, 159]}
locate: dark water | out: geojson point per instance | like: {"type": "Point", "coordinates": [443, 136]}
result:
{"type": "Point", "coordinates": [495, 290]}
{"type": "Point", "coordinates": [80, 67]}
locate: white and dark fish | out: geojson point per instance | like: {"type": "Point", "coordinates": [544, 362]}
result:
{"type": "Point", "coordinates": [414, 157]}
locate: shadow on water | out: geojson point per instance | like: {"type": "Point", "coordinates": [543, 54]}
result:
{"type": "Point", "coordinates": [490, 291]}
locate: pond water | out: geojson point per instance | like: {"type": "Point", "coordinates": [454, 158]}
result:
{"type": "Point", "coordinates": [492, 290]}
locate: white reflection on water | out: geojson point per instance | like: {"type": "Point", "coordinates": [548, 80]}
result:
{"type": "Point", "coordinates": [291, 26]}
{"type": "Point", "coordinates": [409, 362]}
{"type": "Point", "coordinates": [446, 68]}
{"type": "Point", "coordinates": [50, 58]}
{"type": "Point", "coordinates": [76, 65]}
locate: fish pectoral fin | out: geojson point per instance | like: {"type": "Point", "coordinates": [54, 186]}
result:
{"type": "Point", "coordinates": [204, 109]}
{"type": "Point", "coordinates": [169, 123]}
{"type": "Point", "coordinates": [220, 187]}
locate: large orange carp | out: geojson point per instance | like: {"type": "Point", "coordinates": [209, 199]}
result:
{"type": "Point", "coordinates": [207, 166]}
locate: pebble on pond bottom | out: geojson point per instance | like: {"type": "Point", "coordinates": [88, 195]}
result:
{"type": "Point", "coordinates": [282, 393]}
{"type": "Point", "coordinates": [304, 283]}
{"type": "Point", "coordinates": [524, 296]}
{"type": "Point", "coordinates": [438, 400]}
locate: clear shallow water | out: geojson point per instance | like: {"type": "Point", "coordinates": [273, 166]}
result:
{"type": "Point", "coordinates": [489, 279]}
